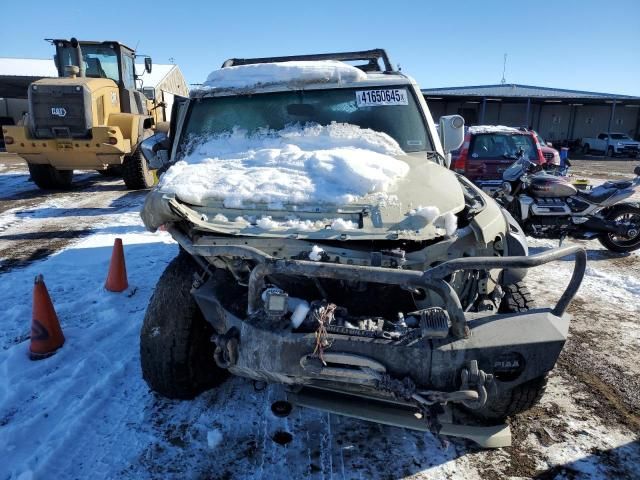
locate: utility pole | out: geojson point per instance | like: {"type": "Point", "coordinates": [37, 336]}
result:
{"type": "Point", "coordinates": [504, 69]}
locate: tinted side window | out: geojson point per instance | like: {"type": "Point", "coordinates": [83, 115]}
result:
{"type": "Point", "coordinates": [128, 72]}
{"type": "Point", "coordinates": [602, 136]}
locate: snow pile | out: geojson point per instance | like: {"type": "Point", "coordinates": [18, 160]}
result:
{"type": "Point", "coordinates": [214, 437]}
{"type": "Point", "coordinates": [302, 72]}
{"type": "Point", "coordinates": [429, 213]}
{"type": "Point", "coordinates": [341, 225]}
{"type": "Point", "coordinates": [448, 221]}
{"type": "Point", "coordinates": [477, 129]}
{"type": "Point", "coordinates": [316, 253]}
{"type": "Point", "coordinates": [268, 223]}
{"type": "Point", "coordinates": [334, 164]}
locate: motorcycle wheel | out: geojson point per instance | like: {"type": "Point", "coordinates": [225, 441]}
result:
{"type": "Point", "coordinates": [625, 214]}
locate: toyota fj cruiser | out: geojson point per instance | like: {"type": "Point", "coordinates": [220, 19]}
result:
{"type": "Point", "coordinates": [406, 308]}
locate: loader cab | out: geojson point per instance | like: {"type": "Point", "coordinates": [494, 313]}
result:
{"type": "Point", "coordinates": [110, 60]}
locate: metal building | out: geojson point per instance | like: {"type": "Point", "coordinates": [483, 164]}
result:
{"type": "Point", "coordinates": [559, 115]}
{"type": "Point", "coordinates": [17, 73]}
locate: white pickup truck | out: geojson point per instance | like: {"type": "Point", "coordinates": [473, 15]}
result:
{"type": "Point", "coordinates": [612, 144]}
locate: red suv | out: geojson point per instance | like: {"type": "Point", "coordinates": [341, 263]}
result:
{"type": "Point", "coordinates": [488, 150]}
{"type": "Point", "coordinates": [551, 155]}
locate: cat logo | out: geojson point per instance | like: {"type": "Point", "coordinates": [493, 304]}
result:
{"type": "Point", "coordinates": [58, 112]}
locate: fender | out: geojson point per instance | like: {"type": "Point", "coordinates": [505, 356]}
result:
{"type": "Point", "coordinates": [516, 246]}
{"type": "Point", "coordinates": [606, 211]}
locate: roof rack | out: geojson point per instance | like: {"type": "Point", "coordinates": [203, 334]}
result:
{"type": "Point", "coordinates": [373, 56]}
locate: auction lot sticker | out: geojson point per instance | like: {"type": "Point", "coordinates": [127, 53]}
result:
{"type": "Point", "coordinates": [375, 98]}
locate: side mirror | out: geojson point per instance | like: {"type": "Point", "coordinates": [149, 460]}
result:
{"type": "Point", "coordinates": [147, 64]}
{"type": "Point", "coordinates": [149, 92]}
{"type": "Point", "coordinates": [451, 132]}
{"type": "Point", "coordinates": [155, 150]}
{"type": "Point", "coordinates": [549, 144]}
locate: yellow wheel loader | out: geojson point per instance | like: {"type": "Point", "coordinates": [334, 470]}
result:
{"type": "Point", "coordinates": [92, 118]}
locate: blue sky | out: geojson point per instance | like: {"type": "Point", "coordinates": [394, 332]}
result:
{"type": "Point", "coordinates": [583, 45]}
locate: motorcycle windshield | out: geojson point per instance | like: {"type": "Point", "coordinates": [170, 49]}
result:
{"type": "Point", "coordinates": [515, 170]}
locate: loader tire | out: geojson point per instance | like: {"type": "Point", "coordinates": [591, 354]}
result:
{"type": "Point", "coordinates": [176, 352]}
{"type": "Point", "coordinates": [114, 171]}
{"type": "Point", "coordinates": [136, 173]}
{"type": "Point", "coordinates": [48, 178]}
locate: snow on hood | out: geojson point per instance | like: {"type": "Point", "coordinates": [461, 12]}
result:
{"type": "Point", "coordinates": [301, 72]}
{"type": "Point", "coordinates": [333, 164]}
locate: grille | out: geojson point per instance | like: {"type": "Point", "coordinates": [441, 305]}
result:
{"type": "Point", "coordinates": [58, 111]}
{"type": "Point", "coordinates": [548, 155]}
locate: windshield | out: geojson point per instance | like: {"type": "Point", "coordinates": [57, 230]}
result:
{"type": "Point", "coordinates": [396, 115]}
{"type": "Point", "coordinates": [100, 61]}
{"type": "Point", "coordinates": [503, 146]}
{"type": "Point", "coordinates": [516, 169]}
{"type": "Point", "coordinates": [620, 136]}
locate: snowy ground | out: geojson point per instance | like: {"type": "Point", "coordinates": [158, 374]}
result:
{"type": "Point", "coordinates": [86, 412]}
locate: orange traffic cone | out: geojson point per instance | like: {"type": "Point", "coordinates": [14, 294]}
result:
{"type": "Point", "coordinates": [46, 334]}
{"type": "Point", "coordinates": [117, 277]}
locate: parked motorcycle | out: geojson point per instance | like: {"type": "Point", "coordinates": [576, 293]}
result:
{"type": "Point", "coordinates": [548, 206]}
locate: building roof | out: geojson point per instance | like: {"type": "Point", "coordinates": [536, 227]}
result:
{"type": "Point", "coordinates": [512, 90]}
{"type": "Point", "coordinates": [157, 75]}
{"type": "Point", "coordinates": [27, 67]}
{"type": "Point", "coordinates": [17, 73]}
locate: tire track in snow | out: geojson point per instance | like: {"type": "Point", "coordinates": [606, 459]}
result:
{"type": "Point", "coordinates": [35, 223]}
{"type": "Point", "coordinates": [40, 232]}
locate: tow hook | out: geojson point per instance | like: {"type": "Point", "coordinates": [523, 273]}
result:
{"type": "Point", "coordinates": [476, 380]}
{"type": "Point", "coordinates": [226, 352]}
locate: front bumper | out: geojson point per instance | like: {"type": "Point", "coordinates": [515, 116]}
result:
{"type": "Point", "coordinates": [532, 340]}
{"type": "Point", "coordinates": [70, 153]}
{"type": "Point", "coordinates": [628, 149]}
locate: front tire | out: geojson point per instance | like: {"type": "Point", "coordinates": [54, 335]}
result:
{"type": "Point", "coordinates": [136, 173]}
{"type": "Point", "coordinates": [48, 178]}
{"type": "Point", "coordinates": [628, 214]}
{"type": "Point", "coordinates": [506, 402]}
{"type": "Point", "coordinates": [513, 401]}
{"type": "Point", "coordinates": [176, 352]}
{"type": "Point", "coordinates": [611, 152]}
{"type": "Point", "coordinates": [517, 298]}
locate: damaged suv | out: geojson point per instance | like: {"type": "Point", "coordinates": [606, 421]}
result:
{"type": "Point", "coordinates": [326, 246]}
